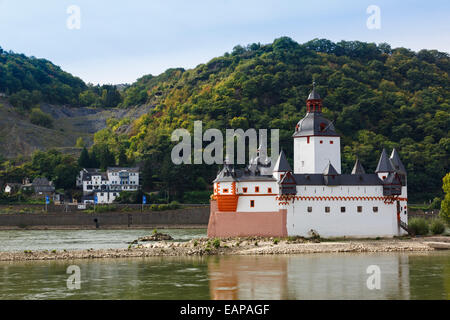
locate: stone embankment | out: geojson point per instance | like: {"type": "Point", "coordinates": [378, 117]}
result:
{"type": "Point", "coordinates": [237, 246]}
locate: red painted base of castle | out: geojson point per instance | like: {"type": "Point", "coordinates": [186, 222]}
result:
{"type": "Point", "coordinates": [242, 224]}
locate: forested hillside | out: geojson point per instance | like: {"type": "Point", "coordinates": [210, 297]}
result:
{"type": "Point", "coordinates": [28, 81]}
{"type": "Point", "coordinates": [377, 97]}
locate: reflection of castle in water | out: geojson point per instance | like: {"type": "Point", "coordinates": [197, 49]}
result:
{"type": "Point", "coordinates": [316, 276]}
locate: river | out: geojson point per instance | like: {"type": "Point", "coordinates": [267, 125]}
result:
{"type": "Point", "coordinates": [305, 276]}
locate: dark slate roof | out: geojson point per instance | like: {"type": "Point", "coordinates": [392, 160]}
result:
{"type": "Point", "coordinates": [384, 164]}
{"type": "Point", "coordinates": [117, 169]}
{"type": "Point", "coordinates": [368, 179]}
{"type": "Point", "coordinates": [330, 170]}
{"type": "Point", "coordinates": [392, 178]}
{"type": "Point", "coordinates": [314, 95]}
{"type": "Point", "coordinates": [313, 124]}
{"type": "Point", "coordinates": [396, 162]}
{"type": "Point", "coordinates": [358, 168]}
{"type": "Point", "coordinates": [229, 174]}
{"type": "Point", "coordinates": [282, 165]}
{"type": "Point", "coordinates": [41, 182]}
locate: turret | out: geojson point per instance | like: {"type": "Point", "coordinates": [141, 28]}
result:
{"type": "Point", "coordinates": [281, 166]}
{"type": "Point", "coordinates": [315, 140]}
{"type": "Point", "coordinates": [384, 166]}
{"type": "Point", "coordinates": [358, 168]}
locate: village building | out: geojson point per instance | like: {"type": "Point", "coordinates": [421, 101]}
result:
{"type": "Point", "coordinates": [107, 186]}
{"type": "Point", "coordinates": [272, 199]}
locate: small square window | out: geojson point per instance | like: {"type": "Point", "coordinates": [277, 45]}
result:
{"type": "Point", "coordinates": [327, 209]}
{"type": "Point", "coordinates": [321, 141]}
{"type": "Point", "coordinates": [269, 190]}
{"type": "Point", "coordinates": [359, 208]}
{"type": "Point", "coordinates": [342, 209]}
{"type": "Point", "coordinates": [225, 190]}
{"type": "Point", "coordinates": [331, 142]}
{"type": "Point", "coordinates": [375, 209]}
{"type": "Point", "coordinates": [252, 203]}
{"type": "Point", "coordinates": [256, 189]}
{"type": "Point", "coordinates": [244, 190]}
{"type": "Point", "coordinates": [309, 209]}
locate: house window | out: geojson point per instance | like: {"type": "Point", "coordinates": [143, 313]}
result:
{"type": "Point", "coordinates": [269, 190]}
{"type": "Point", "coordinates": [327, 209]}
{"type": "Point", "coordinates": [321, 141]}
{"type": "Point", "coordinates": [252, 203]}
{"type": "Point", "coordinates": [309, 209]}
{"type": "Point", "coordinates": [256, 189]}
{"type": "Point", "coordinates": [375, 209]}
{"type": "Point", "coordinates": [331, 142]}
{"type": "Point", "coordinates": [307, 139]}
{"type": "Point", "coordinates": [359, 208]}
{"type": "Point", "coordinates": [342, 209]}
{"type": "Point", "coordinates": [225, 190]}
{"type": "Point", "coordinates": [244, 190]}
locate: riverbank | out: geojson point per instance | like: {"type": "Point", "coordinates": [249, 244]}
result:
{"type": "Point", "coordinates": [237, 246]}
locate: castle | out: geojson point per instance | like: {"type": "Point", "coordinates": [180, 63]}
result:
{"type": "Point", "coordinates": [267, 199]}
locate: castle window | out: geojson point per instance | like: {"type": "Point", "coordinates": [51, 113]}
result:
{"type": "Point", "coordinates": [252, 203]}
{"type": "Point", "coordinates": [225, 190]}
{"type": "Point", "coordinates": [375, 209]}
{"type": "Point", "coordinates": [327, 209]}
{"type": "Point", "coordinates": [309, 209]}
{"type": "Point", "coordinates": [244, 190]}
{"type": "Point", "coordinates": [342, 209]}
{"type": "Point", "coordinates": [269, 190]}
{"type": "Point", "coordinates": [256, 189]}
{"type": "Point", "coordinates": [359, 208]}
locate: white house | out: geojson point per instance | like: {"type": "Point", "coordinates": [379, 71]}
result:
{"type": "Point", "coordinates": [315, 197]}
{"type": "Point", "coordinates": [106, 186]}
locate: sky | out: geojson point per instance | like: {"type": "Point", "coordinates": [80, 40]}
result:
{"type": "Point", "coordinates": [113, 41]}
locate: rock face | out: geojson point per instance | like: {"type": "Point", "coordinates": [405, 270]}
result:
{"type": "Point", "coordinates": [156, 237]}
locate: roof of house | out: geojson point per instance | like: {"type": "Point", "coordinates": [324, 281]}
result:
{"type": "Point", "coordinates": [118, 169]}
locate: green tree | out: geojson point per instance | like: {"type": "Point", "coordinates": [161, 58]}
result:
{"type": "Point", "coordinates": [445, 204]}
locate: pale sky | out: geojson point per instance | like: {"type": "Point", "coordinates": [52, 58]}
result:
{"type": "Point", "coordinates": [120, 41]}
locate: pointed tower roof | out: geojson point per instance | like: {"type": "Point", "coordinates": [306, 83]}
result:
{"type": "Point", "coordinates": [384, 164]}
{"type": "Point", "coordinates": [358, 168]}
{"type": "Point", "coordinates": [314, 95]}
{"type": "Point", "coordinates": [282, 165]}
{"type": "Point", "coordinates": [330, 170]}
{"type": "Point", "coordinates": [396, 162]}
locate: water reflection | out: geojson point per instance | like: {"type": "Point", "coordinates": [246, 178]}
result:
{"type": "Point", "coordinates": [330, 276]}
{"type": "Point", "coordinates": [312, 276]}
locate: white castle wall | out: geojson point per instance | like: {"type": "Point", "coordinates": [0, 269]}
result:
{"type": "Point", "coordinates": [349, 223]}
{"type": "Point", "coordinates": [313, 157]}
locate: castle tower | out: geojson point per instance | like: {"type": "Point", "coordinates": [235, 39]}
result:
{"type": "Point", "coordinates": [316, 143]}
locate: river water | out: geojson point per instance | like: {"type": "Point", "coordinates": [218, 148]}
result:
{"type": "Point", "coordinates": [305, 276]}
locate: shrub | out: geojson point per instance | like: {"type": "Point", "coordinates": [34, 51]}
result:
{"type": "Point", "coordinates": [418, 226]}
{"type": "Point", "coordinates": [216, 243]}
{"type": "Point", "coordinates": [276, 240]}
{"type": "Point", "coordinates": [40, 118]}
{"type": "Point", "coordinates": [437, 226]}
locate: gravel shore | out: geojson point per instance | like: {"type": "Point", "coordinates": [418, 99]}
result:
{"type": "Point", "coordinates": [235, 246]}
